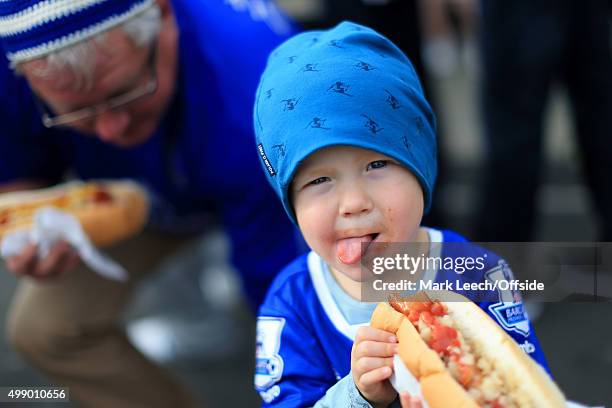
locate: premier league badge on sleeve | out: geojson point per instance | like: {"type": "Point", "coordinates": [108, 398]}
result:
{"type": "Point", "coordinates": [268, 363]}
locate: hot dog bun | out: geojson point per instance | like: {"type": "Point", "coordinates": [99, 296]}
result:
{"type": "Point", "coordinates": [109, 211]}
{"type": "Point", "coordinates": [503, 371]}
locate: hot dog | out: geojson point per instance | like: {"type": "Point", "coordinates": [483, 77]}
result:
{"type": "Point", "coordinates": [462, 358]}
{"type": "Point", "coordinates": [109, 211]}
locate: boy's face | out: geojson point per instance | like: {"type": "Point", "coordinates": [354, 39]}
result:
{"type": "Point", "coordinates": [345, 196]}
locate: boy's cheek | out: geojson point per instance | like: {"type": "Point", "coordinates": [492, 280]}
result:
{"type": "Point", "coordinates": [317, 237]}
{"type": "Point", "coordinates": [402, 227]}
{"type": "Point", "coordinates": [404, 233]}
{"type": "Point", "coordinates": [309, 215]}
{"type": "Point", "coordinates": [325, 248]}
{"type": "Point", "coordinates": [316, 227]}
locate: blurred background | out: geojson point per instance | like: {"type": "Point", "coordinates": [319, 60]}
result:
{"type": "Point", "coordinates": [524, 150]}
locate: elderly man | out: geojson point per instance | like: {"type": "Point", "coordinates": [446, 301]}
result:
{"type": "Point", "coordinates": [158, 92]}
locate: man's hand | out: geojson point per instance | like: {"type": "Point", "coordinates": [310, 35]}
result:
{"type": "Point", "coordinates": [409, 402]}
{"type": "Point", "coordinates": [371, 364]}
{"type": "Point", "coordinates": [61, 259]}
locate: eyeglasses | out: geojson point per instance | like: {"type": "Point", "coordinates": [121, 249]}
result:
{"type": "Point", "coordinates": [49, 119]}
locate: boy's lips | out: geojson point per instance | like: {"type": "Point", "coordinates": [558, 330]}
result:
{"type": "Point", "coordinates": [350, 250]}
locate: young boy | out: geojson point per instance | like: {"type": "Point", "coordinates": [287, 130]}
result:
{"type": "Point", "coordinates": [347, 140]}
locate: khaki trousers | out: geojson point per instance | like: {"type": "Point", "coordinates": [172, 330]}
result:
{"type": "Point", "coordinates": [70, 329]}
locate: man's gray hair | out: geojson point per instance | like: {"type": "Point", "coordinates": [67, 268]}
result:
{"type": "Point", "coordinates": [80, 58]}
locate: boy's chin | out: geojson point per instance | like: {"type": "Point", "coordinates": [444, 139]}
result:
{"type": "Point", "coordinates": [354, 272]}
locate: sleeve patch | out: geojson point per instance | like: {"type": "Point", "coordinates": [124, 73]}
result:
{"type": "Point", "coordinates": [509, 311]}
{"type": "Point", "coordinates": [268, 362]}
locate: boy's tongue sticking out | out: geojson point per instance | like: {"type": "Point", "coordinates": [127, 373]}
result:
{"type": "Point", "coordinates": [350, 250]}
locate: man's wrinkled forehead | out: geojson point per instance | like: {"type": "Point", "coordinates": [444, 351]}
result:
{"type": "Point", "coordinates": [41, 71]}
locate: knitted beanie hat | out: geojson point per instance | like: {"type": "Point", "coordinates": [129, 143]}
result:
{"type": "Point", "coordinates": [30, 29]}
{"type": "Point", "coordinates": [345, 86]}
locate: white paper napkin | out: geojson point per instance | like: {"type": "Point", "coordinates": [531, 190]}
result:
{"type": "Point", "coordinates": [403, 380]}
{"type": "Point", "coordinates": [52, 225]}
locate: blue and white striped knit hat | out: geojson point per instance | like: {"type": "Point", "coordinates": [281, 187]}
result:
{"type": "Point", "coordinates": [344, 86]}
{"type": "Point", "coordinates": [30, 29]}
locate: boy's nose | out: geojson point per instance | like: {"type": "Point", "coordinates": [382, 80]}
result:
{"type": "Point", "coordinates": [354, 200]}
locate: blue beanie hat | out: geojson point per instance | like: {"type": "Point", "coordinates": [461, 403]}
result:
{"type": "Point", "coordinates": [344, 86]}
{"type": "Point", "coordinates": [30, 29]}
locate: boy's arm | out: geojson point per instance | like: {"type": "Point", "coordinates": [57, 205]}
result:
{"type": "Point", "coordinates": [343, 394]}
{"type": "Point", "coordinates": [291, 369]}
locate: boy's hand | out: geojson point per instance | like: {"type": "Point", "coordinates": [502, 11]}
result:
{"type": "Point", "coordinates": [372, 365]}
{"type": "Point", "coordinates": [409, 402]}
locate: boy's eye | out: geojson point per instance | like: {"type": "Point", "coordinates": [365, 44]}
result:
{"type": "Point", "coordinates": [378, 164]}
{"type": "Point", "coordinates": [316, 181]}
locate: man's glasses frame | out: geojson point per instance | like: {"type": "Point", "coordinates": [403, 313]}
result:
{"type": "Point", "coordinates": [50, 120]}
